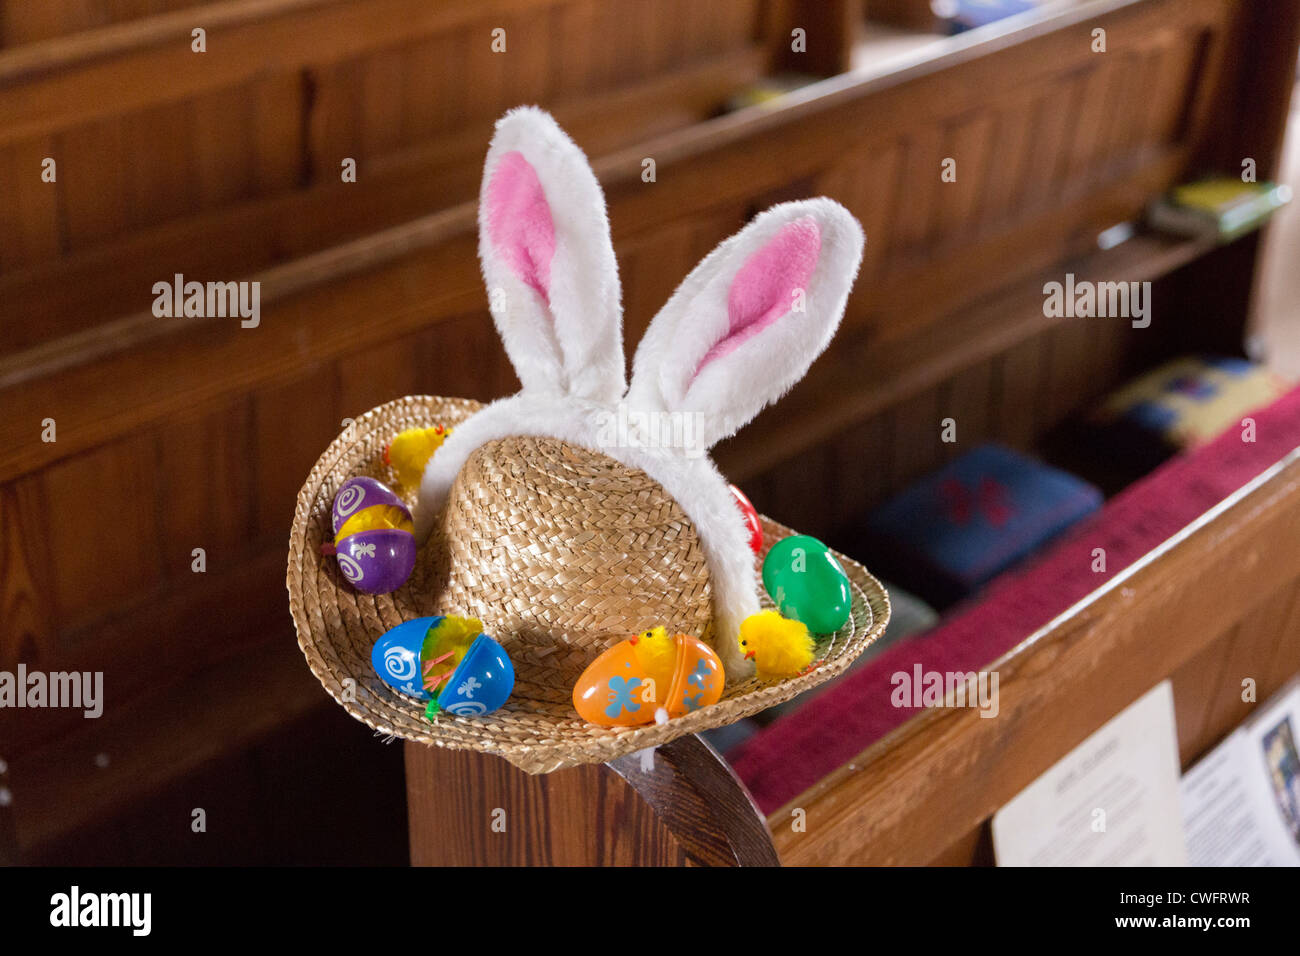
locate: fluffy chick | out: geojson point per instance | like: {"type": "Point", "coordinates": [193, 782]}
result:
{"type": "Point", "coordinates": [656, 651]}
{"type": "Point", "coordinates": [411, 450]}
{"type": "Point", "coordinates": [778, 646]}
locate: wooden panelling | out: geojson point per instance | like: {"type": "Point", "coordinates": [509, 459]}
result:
{"type": "Point", "coordinates": [913, 14]}
{"type": "Point", "coordinates": [1069, 382]}
{"type": "Point", "coordinates": [650, 271]}
{"type": "Point", "coordinates": [829, 33]}
{"type": "Point", "coordinates": [102, 523]}
{"type": "Point", "coordinates": [913, 203]}
{"type": "Point", "coordinates": [1021, 377]}
{"type": "Point", "coordinates": [25, 570]}
{"type": "Point", "coordinates": [288, 436]}
{"type": "Point", "coordinates": [30, 21]}
{"type": "Point", "coordinates": [913, 221]}
{"type": "Point", "coordinates": [1139, 72]}
{"type": "Point", "coordinates": [207, 488]}
{"type": "Point", "coordinates": [242, 143]}
{"type": "Point", "coordinates": [968, 143]}
{"type": "Point", "coordinates": [226, 128]}
{"type": "Point", "coordinates": [917, 433]}
{"type": "Point", "coordinates": [969, 399]}
{"type": "Point", "coordinates": [150, 741]}
{"type": "Point", "coordinates": [93, 181]}
{"type": "Point", "coordinates": [30, 222]}
{"type": "Point", "coordinates": [1166, 95]}
{"type": "Point", "coordinates": [384, 104]}
{"type": "Point", "coordinates": [280, 222]}
{"type": "Point", "coordinates": [1007, 169]}
{"type": "Point", "coordinates": [379, 374]}
{"type": "Point", "coordinates": [571, 24]}
{"type": "Point", "coordinates": [162, 641]}
{"type": "Point", "coordinates": [861, 466]}
{"type": "Point", "coordinates": [1210, 692]}
{"type": "Point", "coordinates": [221, 141]}
{"type": "Point", "coordinates": [1085, 140]}
{"type": "Point", "coordinates": [158, 161]}
{"type": "Point", "coordinates": [278, 133]}
{"type": "Point", "coordinates": [1048, 144]}
{"type": "Point", "coordinates": [800, 489]}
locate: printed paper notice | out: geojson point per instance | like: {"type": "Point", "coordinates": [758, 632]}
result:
{"type": "Point", "coordinates": [1242, 801]}
{"type": "Point", "coordinates": [1112, 801]}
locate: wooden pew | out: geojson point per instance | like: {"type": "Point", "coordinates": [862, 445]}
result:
{"type": "Point", "coordinates": [227, 161]}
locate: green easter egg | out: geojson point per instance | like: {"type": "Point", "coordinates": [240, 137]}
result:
{"type": "Point", "coordinates": [807, 583]}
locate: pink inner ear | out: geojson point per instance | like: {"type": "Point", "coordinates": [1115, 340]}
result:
{"type": "Point", "coordinates": [519, 221]}
{"type": "Point", "coordinates": [763, 290]}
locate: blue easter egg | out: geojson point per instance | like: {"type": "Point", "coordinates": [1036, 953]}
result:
{"type": "Point", "coordinates": [396, 656]}
{"type": "Point", "coordinates": [482, 681]}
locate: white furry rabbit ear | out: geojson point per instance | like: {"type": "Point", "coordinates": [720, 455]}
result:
{"type": "Point", "coordinates": [548, 261]}
{"type": "Point", "coordinates": [748, 321]}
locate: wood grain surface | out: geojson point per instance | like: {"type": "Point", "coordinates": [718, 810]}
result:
{"type": "Point", "coordinates": [469, 809]}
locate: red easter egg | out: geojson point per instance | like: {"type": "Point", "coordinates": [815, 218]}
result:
{"type": "Point", "coordinates": [751, 519]}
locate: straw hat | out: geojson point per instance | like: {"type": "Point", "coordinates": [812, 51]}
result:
{"type": "Point", "coordinates": [584, 509]}
{"type": "Point", "coordinates": [553, 605]}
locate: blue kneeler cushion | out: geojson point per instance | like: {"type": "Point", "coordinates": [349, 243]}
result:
{"type": "Point", "coordinates": [954, 530]}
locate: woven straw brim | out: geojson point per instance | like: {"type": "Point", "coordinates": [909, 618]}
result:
{"type": "Point", "coordinates": [537, 730]}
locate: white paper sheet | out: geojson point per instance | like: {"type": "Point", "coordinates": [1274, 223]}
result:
{"type": "Point", "coordinates": [1112, 801]}
{"type": "Point", "coordinates": [1241, 802]}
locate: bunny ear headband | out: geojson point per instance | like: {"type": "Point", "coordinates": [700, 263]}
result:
{"type": "Point", "coordinates": [740, 330]}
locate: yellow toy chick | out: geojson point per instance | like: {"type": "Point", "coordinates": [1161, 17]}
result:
{"type": "Point", "coordinates": [410, 451]}
{"type": "Point", "coordinates": [656, 652]}
{"type": "Point", "coordinates": [778, 646]}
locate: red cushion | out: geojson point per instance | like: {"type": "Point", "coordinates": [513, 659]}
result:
{"type": "Point", "coordinates": [840, 723]}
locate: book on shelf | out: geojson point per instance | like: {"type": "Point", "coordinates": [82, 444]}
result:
{"type": "Point", "coordinates": [1222, 209]}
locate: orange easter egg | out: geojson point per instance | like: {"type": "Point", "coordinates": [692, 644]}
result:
{"type": "Point", "coordinates": [624, 686]}
{"type": "Point", "coordinates": [699, 677]}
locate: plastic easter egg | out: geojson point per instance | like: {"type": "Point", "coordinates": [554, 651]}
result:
{"type": "Point", "coordinates": [470, 673]}
{"type": "Point", "coordinates": [751, 519]}
{"type": "Point", "coordinates": [374, 538]}
{"type": "Point", "coordinates": [610, 691]}
{"type": "Point", "coordinates": [377, 562]}
{"type": "Point", "coordinates": [698, 680]}
{"type": "Point", "coordinates": [807, 583]}
{"type": "Point", "coordinates": [396, 657]}
{"type": "Point", "coordinates": [359, 493]}
{"type": "Point", "coordinates": [481, 683]}
{"type": "Point", "coordinates": [618, 688]}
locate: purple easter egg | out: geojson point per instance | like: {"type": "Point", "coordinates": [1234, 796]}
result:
{"type": "Point", "coordinates": [358, 493]}
{"type": "Point", "coordinates": [379, 561]}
